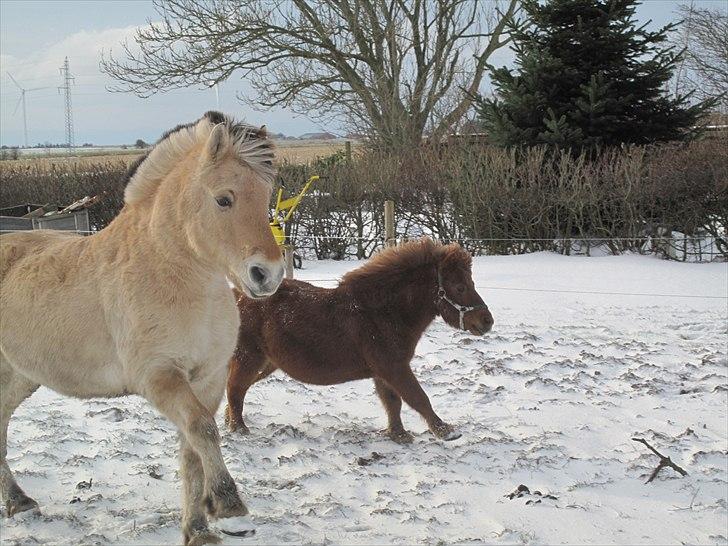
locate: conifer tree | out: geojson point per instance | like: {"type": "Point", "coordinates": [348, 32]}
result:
{"type": "Point", "coordinates": [587, 76]}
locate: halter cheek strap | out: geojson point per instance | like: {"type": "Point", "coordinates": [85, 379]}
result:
{"type": "Point", "coordinates": [461, 309]}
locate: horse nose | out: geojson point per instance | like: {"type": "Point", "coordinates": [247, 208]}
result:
{"type": "Point", "coordinates": [265, 278]}
{"type": "Point", "coordinates": [487, 321]}
{"type": "Point", "coordinates": [258, 274]}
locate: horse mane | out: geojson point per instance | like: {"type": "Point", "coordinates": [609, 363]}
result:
{"type": "Point", "coordinates": [251, 145]}
{"type": "Point", "coordinates": [390, 265]}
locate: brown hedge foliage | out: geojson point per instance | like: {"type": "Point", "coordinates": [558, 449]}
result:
{"type": "Point", "coordinates": [490, 199]}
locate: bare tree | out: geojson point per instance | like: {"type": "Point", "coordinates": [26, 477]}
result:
{"type": "Point", "coordinates": [385, 68]}
{"type": "Point", "coordinates": [704, 35]}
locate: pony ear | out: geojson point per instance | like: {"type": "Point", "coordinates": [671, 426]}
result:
{"type": "Point", "coordinates": [217, 142]}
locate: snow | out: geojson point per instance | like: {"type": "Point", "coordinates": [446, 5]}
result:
{"type": "Point", "coordinates": [550, 399]}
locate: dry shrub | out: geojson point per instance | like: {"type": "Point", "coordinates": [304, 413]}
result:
{"type": "Point", "coordinates": [491, 200]}
{"type": "Point", "coordinates": [63, 183]}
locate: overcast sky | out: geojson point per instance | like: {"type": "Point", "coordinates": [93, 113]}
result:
{"type": "Point", "coordinates": [36, 35]}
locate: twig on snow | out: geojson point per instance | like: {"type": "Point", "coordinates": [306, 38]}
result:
{"type": "Point", "coordinates": [664, 461]}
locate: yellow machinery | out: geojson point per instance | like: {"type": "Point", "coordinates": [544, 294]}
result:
{"type": "Point", "coordinates": [286, 207]}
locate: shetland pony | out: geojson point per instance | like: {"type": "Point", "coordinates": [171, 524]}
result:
{"type": "Point", "coordinates": [366, 327]}
{"type": "Point", "coordinates": [144, 306]}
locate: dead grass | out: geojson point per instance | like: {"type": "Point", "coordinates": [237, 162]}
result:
{"type": "Point", "coordinates": [295, 152]}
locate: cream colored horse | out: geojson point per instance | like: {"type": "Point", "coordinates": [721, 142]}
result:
{"type": "Point", "coordinates": [144, 306]}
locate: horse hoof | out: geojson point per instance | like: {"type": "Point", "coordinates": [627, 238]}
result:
{"type": "Point", "coordinates": [401, 437]}
{"type": "Point", "coordinates": [236, 527]}
{"type": "Point", "coordinates": [446, 432]}
{"type": "Point", "coordinates": [235, 424]}
{"type": "Point", "coordinates": [20, 504]}
{"type": "Point", "coordinates": [239, 427]}
{"type": "Point", "coordinates": [200, 537]}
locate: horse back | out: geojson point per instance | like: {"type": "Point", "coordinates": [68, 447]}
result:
{"type": "Point", "coordinates": [313, 334]}
{"type": "Point", "coordinates": [14, 247]}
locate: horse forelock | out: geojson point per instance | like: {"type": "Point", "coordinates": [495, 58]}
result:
{"type": "Point", "coordinates": [453, 255]}
{"type": "Point", "coordinates": [250, 144]}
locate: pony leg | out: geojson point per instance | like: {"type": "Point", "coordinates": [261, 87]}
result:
{"type": "Point", "coordinates": [170, 392]}
{"type": "Point", "coordinates": [393, 406]}
{"type": "Point", "coordinates": [246, 368]}
{"type": "Point", "coordinates": [14, 388]}
{"type": "Point", "coordinates": [404, 382]}
{"type": "Point", "coordinates": [194, 518]}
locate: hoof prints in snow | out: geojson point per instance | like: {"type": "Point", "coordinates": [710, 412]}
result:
{"type": "Point", "coordinates": [549, 399]}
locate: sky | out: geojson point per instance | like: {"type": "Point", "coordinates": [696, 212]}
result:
{"type": "Point", "coordinates": [36, 36]}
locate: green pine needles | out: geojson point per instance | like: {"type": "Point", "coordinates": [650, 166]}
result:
{"type": "Point", "coordinates": [587, 77]}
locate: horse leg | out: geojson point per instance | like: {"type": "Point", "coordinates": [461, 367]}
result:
{"type": "Point", "coordinates": [14, 388]}
{"type": "Point", "coordinates": [194, 518]}
{"type": "Point", "coordinates": [404, 382]}
{"type": "Point", "coordinates": [393, 406]}
{"type": "Point", "coordinates": [246, 367]}
{"type": "Point", "coordinates": [170, 392]}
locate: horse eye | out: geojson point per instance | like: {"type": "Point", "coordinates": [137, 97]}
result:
{"type": "Point", "coordinates": [460, 288]}
{"type": "Point", "coordinates": [224, 201]}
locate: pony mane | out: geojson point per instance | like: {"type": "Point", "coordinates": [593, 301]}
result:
{"type": "Point", "coordinates": [391, 263]}
{"type": "Point", "coordinates": [251, 145]}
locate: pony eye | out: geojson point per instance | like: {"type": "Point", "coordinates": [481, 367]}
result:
{"type": "Point", "coordinates": [224, 201]}
{"type": "Point", "coordinates": [460, 288]}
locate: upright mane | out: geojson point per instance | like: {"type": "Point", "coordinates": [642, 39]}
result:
{"type": "Point", "coordinates": [251, 145]}
{"type": "Point", "coordinates": [392, 263]}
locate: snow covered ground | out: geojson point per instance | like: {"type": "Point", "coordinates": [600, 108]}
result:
{"type": "Point", "coordinates": [550, 399]}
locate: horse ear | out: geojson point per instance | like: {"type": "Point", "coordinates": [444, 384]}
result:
{"type": "Point", "coordinates": [217, 142]}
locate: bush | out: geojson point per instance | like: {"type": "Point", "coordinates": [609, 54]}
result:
{"type": "Point", "coordinates": [491, 200]}
{"type": "Point", "coordinates": [42, 182]}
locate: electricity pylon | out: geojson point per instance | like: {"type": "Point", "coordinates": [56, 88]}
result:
{"type": "Point", "coordinates": [66, 87]}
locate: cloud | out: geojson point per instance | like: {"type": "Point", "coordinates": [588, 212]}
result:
{"type": "Point", "coordinates": [101, 117]}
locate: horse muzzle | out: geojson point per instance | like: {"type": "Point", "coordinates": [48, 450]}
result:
{"type": "Point", "coordinates": [480, 323]}
{"type": "Point", "coordinates": [259, 278]}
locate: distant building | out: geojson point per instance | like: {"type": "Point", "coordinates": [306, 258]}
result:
{"type": "Point", "coordinates": [317, 136]}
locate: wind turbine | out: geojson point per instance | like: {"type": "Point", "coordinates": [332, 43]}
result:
{"type": "Point", "coordinates": [213, 83]}
{"type": "Point", "coordinates": [23, 91]}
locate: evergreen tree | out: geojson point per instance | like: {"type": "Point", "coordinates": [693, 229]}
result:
{"type": "Point", "coordinates": [587, 77]}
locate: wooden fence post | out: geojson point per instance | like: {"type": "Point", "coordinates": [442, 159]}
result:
{"type": "Point", "coordinates": [288, 254]}
{"type": "Point", "coordinates": [390, 237]}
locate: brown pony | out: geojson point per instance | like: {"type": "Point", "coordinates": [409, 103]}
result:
{"type": "Point", "coordinates": [368, 326]}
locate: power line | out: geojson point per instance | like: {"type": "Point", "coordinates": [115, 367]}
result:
{"type": "Point", "coordinates": [591, 292]}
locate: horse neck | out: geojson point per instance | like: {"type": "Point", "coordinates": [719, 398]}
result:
{"type": "Point", "coordinates": [154, 229]}
{"type": "Point", "coordinates": [414, 303]}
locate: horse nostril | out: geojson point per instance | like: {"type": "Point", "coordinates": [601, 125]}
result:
{"type": "Point", "coordinates": [257, 275]}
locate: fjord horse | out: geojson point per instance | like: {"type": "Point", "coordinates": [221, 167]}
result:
{"type": "Point", "coordinates": [366, 327]}
{"type": "Point", "coordinates": [144, 306]}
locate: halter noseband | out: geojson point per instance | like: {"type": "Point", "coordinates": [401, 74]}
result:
{"type": "Point", "coordinates": [462, 309]}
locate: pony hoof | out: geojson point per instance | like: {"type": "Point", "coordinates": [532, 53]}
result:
{"type": "Point", "coordinates": [239, 427]}
{"type": "Point", "coordinates": [200, 537]}
{"type": "Point", "coordinates": [401, 436]}
{"type": "Point", "coordinates": [20, 504]}
{"type": "Point", "coordinates": [235, 424]}
{"type": "Point", "coordinates": [446, 432]}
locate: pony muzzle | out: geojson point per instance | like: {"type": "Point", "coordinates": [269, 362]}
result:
{"type": "Point", "coordinates": [480, 323]}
